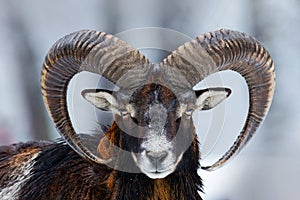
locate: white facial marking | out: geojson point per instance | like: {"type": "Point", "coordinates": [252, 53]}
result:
{"type": "Point", "coordinates": [157, 143]}
{"type": "Point", "coordinates": [157, 118]}
{"type": "Point", "coordinates": [158, 159]}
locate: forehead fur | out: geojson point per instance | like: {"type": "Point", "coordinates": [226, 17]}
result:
{"type": "Point", "coordinates": [152, 93]}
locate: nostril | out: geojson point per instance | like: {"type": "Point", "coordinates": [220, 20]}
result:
{"type": "Point", "coordinates": [156, 156]}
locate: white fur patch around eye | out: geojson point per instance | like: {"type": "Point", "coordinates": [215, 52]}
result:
{"type": "Point", "coordinates": [12, 192]}
{"type": "Point", "coordinates": [181, 109]}
{"type": "Point", "coordinates": [131, 110]}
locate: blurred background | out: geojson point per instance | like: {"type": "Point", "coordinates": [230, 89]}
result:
{"type": "Point", "coordinates": [268, 168]}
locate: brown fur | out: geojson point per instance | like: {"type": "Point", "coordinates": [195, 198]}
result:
{"type": "Point", "coordinates": [61, 174]}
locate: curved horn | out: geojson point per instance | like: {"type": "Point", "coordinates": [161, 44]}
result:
{"type": "Point", "coordinates": [84, 50]}
{"type": "Point", "coordinates": [230, 50]}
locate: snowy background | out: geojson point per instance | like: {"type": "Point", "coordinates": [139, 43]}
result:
{"type": "Point", "coordinates": [268, 168]}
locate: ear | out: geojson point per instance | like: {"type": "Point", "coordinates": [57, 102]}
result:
{"type": "Point", "coordinates": [211, 97]}
{"type": "Point", "coordinates": [102, 99]}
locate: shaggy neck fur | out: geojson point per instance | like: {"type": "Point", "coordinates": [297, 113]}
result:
{"type": "Point", "coordinates": [55, 171]}
{"type": "Point", "coordinates": [181, 185]}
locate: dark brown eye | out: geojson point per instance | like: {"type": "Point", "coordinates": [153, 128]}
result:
{"type": "Point", "coordinates": [124, 112]}
{"type": "Point", "coordinates": [189, 112]}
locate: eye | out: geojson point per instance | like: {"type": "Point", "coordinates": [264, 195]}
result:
{"type": "Point", "coordinates": [189, 112]}
{"type": "Point", "coordinates": [124, 112]}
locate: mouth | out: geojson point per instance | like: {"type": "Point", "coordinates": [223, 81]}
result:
{"type": "Point", "coordinates": [153, 170]}
{"type": "Point", "coordinates": [158, 174]}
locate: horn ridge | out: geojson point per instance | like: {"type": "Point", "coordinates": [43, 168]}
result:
{"type": "Point", "coordinates": [85, 50]}
{"type": "Point", "coordinates": [231, 50]}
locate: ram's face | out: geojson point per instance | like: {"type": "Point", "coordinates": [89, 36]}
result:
{"type": "Point", "coordinates": [161, 124]}
{"type": "Point", "coordinates": [157, 112]}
